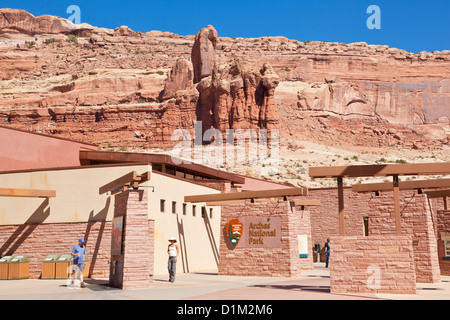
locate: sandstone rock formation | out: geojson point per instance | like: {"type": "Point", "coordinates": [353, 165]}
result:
{"type": "Point", "coordinates": [203, 53]}
{"type": "Point", "coordinates": [24, 22]}
{"type": "Point", "coordinates": [238, 97]}
{"type": "Point", "coordinates": [231, 95]}
{"type": "Point", "coordinates": [13, 21]}
{"type": "Point", "coordinates": [181, 77]}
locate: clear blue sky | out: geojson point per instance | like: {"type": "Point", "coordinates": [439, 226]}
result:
{"type": "Point", "coordinates": [411, 25]}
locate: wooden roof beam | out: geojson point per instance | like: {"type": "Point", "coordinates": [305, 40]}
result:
{"type": "Point", "coordinates": [27, 193]}
{"type": "Point", "coordinates": [380, 170]}
{"type": "Point", "coordinates": [276, 193]}
{"type": "Point", "coordinates": [297, 202]}
{"type": "Point", "coordinates": [438, 193]}
{"type": "Point", "coordinates": [403, 185]}
{"type": "Point", "coordinates": [131, 179]}
{"type": "Point", "coordinates": [121, 157]}
{"type": "Point", "coordinates": [307, 202]}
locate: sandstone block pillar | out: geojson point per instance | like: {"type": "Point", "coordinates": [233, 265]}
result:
{"type": "Point", "coordinates": [134, 265]}
{"type": "Point", "coordinates": [373, 264]}
{"type": "Point", "coordinates": [443, 230]}
{"type": "Point", "coordinates": [417, 223]}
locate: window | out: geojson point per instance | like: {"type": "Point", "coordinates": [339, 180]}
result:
{"type": "Point", "coordinates": [162, 204]}
{"type": "Point", "coordinates": [184, 209]}
{"type": "Point", "coordinates": [174, 207]}
{"type": "Point", "coordinates": [203, 212]}
{"type": "Point", "coordinates": [366, 226]}
{"type": "Point", "coordinates": [447, 248]}
{"type": "Point", "coordinates": [193, 210]}
{"type": "Point", "coordinates": [210, 213]}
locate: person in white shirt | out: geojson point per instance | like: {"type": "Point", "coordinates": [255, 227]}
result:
{"type": "Point", "coordinates": [173, 251]}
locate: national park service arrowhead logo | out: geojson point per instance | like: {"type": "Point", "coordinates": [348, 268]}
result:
{"type": "Point", "coordinates": [234, 230]}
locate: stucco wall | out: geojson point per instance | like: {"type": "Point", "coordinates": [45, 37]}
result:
{"type": "Point", "coordinates": [197, 237]}
{"type": "Point", "coordinates": [21, 150]}
{"type": "Point", "coordinates": [77, 195]}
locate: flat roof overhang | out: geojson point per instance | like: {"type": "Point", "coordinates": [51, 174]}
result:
{"type": "Point", "coordinates": [114, 157]}
{"type": "Point", "coordinates": [87, 145]}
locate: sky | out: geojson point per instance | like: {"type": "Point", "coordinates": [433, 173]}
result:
{"type": "Point", "coordinates": [414, 25]}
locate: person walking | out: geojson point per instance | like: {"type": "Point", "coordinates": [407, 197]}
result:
{"type": "Point", "coordinates": [78, 253]}
{"type": "Point", "coordinates": [327, 251]}
{"type": "Point", "coordinates": [173, 251]}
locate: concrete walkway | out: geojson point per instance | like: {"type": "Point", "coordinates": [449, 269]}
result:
{"type": "Point", "coordinates": [312, 285]}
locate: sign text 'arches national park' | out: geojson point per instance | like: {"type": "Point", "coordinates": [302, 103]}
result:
{"type": "Point", "coordinates": [255, 232]}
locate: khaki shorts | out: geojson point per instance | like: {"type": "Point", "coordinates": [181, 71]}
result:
{"type": "Point", "coordinates": [78, 267]}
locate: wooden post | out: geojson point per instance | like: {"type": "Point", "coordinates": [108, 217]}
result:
{"type": "Point", "coordinates": [341, 206]}
{"type": "Point", "coordinates": [397, 205]}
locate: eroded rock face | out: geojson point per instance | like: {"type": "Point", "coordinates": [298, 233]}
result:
{"type": "Point", "coordinates": [106, 82]}
{"type": "Point", "coordinates": [203, 53]}
{"type": "Point", "coordinates": [24, 22]}
{"type": "Point", "coordinates": [181, 77]}
{"type": "Point", "coordinates": [399, 103]}
{"type": "Point", "coordinates": [232, 95]}
{"type": "Point", "coordinates": [238, 97]}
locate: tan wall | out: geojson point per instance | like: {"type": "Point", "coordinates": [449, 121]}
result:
{"type": "Point", "coordinates": [77, 195]}
{"type": "Point", "coordinates": [198, 238]}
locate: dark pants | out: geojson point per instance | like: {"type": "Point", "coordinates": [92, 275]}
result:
{"type": "Point", "coordinates": [172, 266]}
{"type": "Point", "coordinates": [328, 259]}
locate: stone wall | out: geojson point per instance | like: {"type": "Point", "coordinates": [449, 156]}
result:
{"type": "Point", "coordinates": [37, 241]}
{"type": "Point", "coordinates": [417, 223]}
{"type": "Point", "coordinates": [279, 260]}
{"type": "Point", "coordinates": [373, 264]}
{"type": "Point", "coordinates": [325, 218]}
{"type": "Point", "coordinates": [419, 216]}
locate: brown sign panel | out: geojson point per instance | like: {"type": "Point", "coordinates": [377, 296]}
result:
{"type": "Point", "coordinates": [261, 232]}
{"type": "Point", "coordinates": [117, 235]}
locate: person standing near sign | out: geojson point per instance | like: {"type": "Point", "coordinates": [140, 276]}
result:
{"type": "Point", "coordinates": [327, 251]}
{"type": "Point", "coordinates": [173, 251]}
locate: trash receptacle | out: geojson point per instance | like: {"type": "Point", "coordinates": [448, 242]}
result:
{"type": "Point", "coordinates": [49, 266]}
{"type": "Point", "coordinates": [19, 268]}
{"type": "Point", "coordinates": [316, 251]}
{"type": "Point", "coordinates": [63, 266]}
{"type": "Point", "coordinates": [4, 266]}
{"type": "Point", "coordinates": [86, 268]}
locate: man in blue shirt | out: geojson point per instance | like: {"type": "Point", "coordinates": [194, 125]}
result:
{"type": "Point", "coordinates": [78, 253]}
{"type": "Point", "coordinates": [327, 251]}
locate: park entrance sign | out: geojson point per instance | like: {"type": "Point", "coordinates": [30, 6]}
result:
{"type": "Point", "coordinates": [234, 231]}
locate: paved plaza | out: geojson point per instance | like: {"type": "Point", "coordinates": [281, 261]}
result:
{"type": "Point", "coordinates": [312, 285]}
